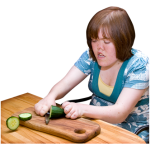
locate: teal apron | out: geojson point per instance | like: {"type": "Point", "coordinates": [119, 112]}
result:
{"type": "Point", "coordinates": [93, 85]}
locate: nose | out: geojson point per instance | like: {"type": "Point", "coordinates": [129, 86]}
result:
{"type": "Point", "coordinates": [100, 45]}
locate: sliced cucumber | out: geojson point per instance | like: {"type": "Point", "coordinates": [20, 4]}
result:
{"type": "Point", "coordinates": [56, 112]}
{"type": "Point", "coordinates": [25, 116]}
{"type": "Point", "coordinates": [12, 123]}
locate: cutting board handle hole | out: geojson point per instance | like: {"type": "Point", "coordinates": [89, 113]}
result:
{"type": "Point", "coordinates": [79, 131]}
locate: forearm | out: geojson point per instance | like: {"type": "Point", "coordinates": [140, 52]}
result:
{"type": "Point", "coordinates": [72, 79]}
{"type": "Point", "coordinates": [59, 90]}
{"type": "Point", "coordinates": [111, 114]}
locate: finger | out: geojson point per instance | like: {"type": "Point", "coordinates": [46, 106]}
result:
{"type": "Point", "coordinates": [43, 110]}
{"type": "Point", "coordinates": [67, 109]}
{"type": "Point", "coordinates": [74, 115]}
{"type": "Point", "coordinates": [65, 104]}
{"type": "Point", "coordinates": [70, 113]}
{"type": "Point", "coordinates": [37, 109]}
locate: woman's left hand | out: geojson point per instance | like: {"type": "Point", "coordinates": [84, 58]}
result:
{"type": "Point", "coordinates": [72, 110]}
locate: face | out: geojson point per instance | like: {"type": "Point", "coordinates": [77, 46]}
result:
{"type": "Point", "coordinates": [104, 51]}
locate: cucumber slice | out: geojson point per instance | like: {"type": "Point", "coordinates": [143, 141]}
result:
{"type": "Point", "coordinates": [25, 116]}
{"type": "Point", "coordinates": [12, 123]}
{"type": "Point", "coordinates": [56, 112]}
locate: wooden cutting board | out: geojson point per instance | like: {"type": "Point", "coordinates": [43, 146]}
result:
{"type": "Point", "coordinates": [79, 130]}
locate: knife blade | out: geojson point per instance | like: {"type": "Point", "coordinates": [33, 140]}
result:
{"type": "Point", "coordinates": [47, 118]}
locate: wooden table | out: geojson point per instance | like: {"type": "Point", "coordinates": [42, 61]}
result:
{"type": "Point", "coordinates": [109, 133]}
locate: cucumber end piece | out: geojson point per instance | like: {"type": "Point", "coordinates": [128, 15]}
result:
{"type": "Point", "coordinates": [12, 123]}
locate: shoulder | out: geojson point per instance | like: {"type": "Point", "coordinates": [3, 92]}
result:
{"type": "Point", "coordinates": [85, 57]}
{"type": "Point", "coordinates": [139, 55]}
{"type": "Point", "coordinates": [84, 63]}
{"type": "Point", "coordinates": [138, 61]}
{"type": "Point", "coordinates": [137, 71]}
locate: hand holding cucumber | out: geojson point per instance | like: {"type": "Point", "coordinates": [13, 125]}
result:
{"type": "Point", "coordinates": [72, 110]}
{"type": "Point", "coordinates": [43, 106]}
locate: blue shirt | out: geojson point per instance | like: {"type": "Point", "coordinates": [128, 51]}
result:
{"type": "Point", "coordinates": [135, 75]}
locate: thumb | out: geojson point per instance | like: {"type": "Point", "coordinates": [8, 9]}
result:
{"type": "Point", "coordinates": [65, 103]}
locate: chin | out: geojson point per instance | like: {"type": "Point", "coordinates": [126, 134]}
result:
{"type": "Point", "coordinates": [101, 64]}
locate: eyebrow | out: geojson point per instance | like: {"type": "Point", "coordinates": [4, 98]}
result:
{"type": "Point", "coordinates": [102, 38]}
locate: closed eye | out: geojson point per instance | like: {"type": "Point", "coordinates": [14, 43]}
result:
{"type": "Point", "coordinates": [106, 41]}
{"type": "Point", "coordinates": [93, 40]}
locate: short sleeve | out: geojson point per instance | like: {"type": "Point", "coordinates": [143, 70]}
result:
{"type": "Point", "coordinates": [84, 63]}
{"type": "Point", "coordinates": [137, 72]}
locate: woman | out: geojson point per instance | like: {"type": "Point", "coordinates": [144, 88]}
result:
{"type": "Point", "coordinates": [119, 77]}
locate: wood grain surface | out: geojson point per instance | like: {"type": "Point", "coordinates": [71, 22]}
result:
{"type": "Point", "coordinates": [109, 133]}
{"type": "Point", "coordinates": [79, 130]}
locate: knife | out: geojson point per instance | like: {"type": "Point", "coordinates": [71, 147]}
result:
{"type": "Point", "coordinates": [47, 117]}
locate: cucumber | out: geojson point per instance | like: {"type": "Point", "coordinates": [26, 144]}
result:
{"type": "Point", "coordinates": [56, 112]}
{"type": "Point", "coordinates": [12, 123]}
{"type": "Point", "coordinates": [25, 116]}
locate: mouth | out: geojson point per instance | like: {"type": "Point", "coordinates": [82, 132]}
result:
{"type": "Point", "coordinates": [100, 55]}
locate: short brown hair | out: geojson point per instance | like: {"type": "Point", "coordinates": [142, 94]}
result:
{"type": "Point", "coordinates": [114, 23]}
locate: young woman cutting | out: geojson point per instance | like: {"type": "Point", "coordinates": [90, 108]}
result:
{"type": "Point", "coordinates": [119, 75]}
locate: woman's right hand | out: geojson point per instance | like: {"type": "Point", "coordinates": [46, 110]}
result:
{"type": "Point", "coordinates": [43, 106]}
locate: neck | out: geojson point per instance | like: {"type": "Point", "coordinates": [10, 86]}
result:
{"type": "Point", "coordinates": [113, 66]}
